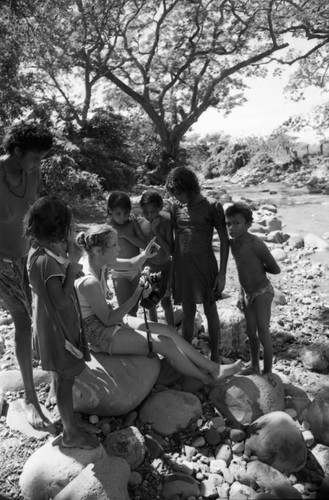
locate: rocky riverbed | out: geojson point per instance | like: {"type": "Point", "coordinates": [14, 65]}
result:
{"type": "Point", "coordinates": [300, 330]}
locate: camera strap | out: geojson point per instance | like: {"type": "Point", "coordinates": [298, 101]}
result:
{"type": "Point", "coordinates": [151, 354]}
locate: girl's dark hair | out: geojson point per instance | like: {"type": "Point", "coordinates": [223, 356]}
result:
{"type": "Point", "coordinates": [118, 199]}
{"type": "Point", "coordinates": [182, 179]}
{"type": "Point", "coordinates": [27, 136]}
{"type": "Point", "coordinates": [240, 208]}
{"type": "Point", "coordinates": [49, 218]}
{"type": "Point", "coordinates": [96, 236]}
{"type": "Point", "coordinates": [151, 196]}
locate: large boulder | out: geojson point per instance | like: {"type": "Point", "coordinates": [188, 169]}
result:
{"type": "Point", "coordinates": [318, 416]}
{"type": "Point", "coordinates": [243, 399]}
{"type": "Point", "coordinates": [52, 467]}
{"type": "Point", "coordinates": [86, 486]}
{"type": "Point", "coordinates": [114, 385]}
{"type": "Point", "coordinates": [277, 442]}
{"type": "Point", "coordinates": [170, 411]}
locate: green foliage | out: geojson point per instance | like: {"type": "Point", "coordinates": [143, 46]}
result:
{"type": "Point", "coordinates": [62, 177]}
{"type": "Point", "coordinates": [226, 159]}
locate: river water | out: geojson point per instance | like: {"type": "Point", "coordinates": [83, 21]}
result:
{"type": "Point", "coordinates": [300, 212]}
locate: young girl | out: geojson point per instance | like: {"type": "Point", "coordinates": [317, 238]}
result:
{"type": "Point", "coordinates": [253, 260]}
{"type": "Point", "coordinates": [196, 279]}
{"type": "Point", "coordinates": [105, 328]}
{"type": "Point", "coordinates": [157, 224]}
{"type": "Point", "coordinates": [57, 321]}
{"type": "Point", "coordinates": [131, 239]}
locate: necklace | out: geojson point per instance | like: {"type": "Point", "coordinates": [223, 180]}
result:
{"type": "Point", "coordinates": [20, 189]}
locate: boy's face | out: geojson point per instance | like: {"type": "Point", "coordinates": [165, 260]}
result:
{"type": "Point", "coordinates": [181, 196]}
{"type": "Point", "coordinates": [29, 160]}
{"type": "Point", "coordinates": [151, 211]}
{"type": "Point", "coordinates": [237, 225]}
{"type": "Point", "coordinates": [119, 215]}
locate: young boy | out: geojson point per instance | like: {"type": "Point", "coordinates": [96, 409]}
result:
{"type": "Point", "coordinates": [157, 225]}
{"type": "Point", "coordinates": [253, 260]}
{"type": "Point", "coordinates": [130, 239]}
{"type": "Point", "coordinates": [25, 145]}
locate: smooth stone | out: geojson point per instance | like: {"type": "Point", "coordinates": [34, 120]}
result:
{"type": "Point", "coordinates": [318, 417]}
{"type": "Point", "coordinates": [315, 357]}
{"type": "Point", "coordinates": [52, 467]}
{"type": "Point", "coordinates": [170, 411]}
{"type": "Point", "coordinates": [277, 442]}
{"type": "Point", "coordinates": [180, 484]}
{"type": "Point", "coordinates": [114, 385]}
{"type": "Point", "coordinates": [11, 380]}
{"type": "Point", "coordinates": [243, 399]}
{"type": "Point", "coordinates": [313, 241]}
{"type": "Point", "coordinates": [295, 398]}
{"type": "Point", "coordinates": [85, 486]}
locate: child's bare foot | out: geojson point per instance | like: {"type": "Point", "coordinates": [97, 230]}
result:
{"type": "Point", "coordinates": [249, 370]}
{"type": "Point", "coordinates": [227, 370]}
{"type": "Point", "coordinates": [78, 439]}
{"type": "Point", "coordinates": [34, 414]}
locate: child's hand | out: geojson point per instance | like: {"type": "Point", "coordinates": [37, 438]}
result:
{"type": "Point", "coordinates": [74, 269]}
{"type": "Point", "coordinates": [151, 249]}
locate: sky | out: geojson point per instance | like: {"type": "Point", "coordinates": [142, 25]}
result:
{"type": "Point", "coordinates": [267, 107]}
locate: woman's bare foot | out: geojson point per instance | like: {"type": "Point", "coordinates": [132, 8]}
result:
{"type": "Point", "coordinates": [34, 414]}
{"type": "Point", "coordinates": [78, 439]}
{"type": "Point", "coordinates": [227, 370]}
{"type": "Point", "coordinates": [249, 370]}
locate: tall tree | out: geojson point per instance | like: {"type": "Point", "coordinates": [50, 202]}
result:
{"type": "Point", "coordinates": [174, 58]}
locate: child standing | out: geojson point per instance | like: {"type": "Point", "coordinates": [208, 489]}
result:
{"type": "Point", "coordinates": [157, 225]}
{"type": "Point", "coordinates": [196, 279]}
{"type": "Point", "coordinates": [131, 240]}
{"type": "Point", "coordinates": [253, 260]}
{"type": "Point", "coordinates": [57, 321]}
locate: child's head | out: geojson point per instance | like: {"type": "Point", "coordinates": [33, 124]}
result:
{"type": "Point", "coordinates": [27, 136]}
{"type": "Point", "coordinates": [151, 203]}
{"type": "Point", "coordinates": [238, 219]}
{"type": "Point", "coordinates": [48, 219]}
{"type": "Point", "coordinates": [119, 207]}
{"type": "Point", "coordinates": [182, 181]}
{"type": "Point", "coordinates": [101, 236]}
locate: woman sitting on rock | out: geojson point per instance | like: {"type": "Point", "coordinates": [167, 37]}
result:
{"type": "Point", "coordinates": [112, 331]}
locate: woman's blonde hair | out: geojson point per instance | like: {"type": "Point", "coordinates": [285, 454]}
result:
{"type": "Point", "coordinates": [96, 236]}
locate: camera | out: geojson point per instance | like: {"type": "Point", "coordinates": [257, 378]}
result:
{"type": "Point", "coordinates": [149, 279]}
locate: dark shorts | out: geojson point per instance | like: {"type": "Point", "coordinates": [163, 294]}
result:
{"type": "Point", "coordinates": [15, 288]}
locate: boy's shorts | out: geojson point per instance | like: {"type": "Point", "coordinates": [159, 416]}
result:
{"type": "Point", "coordinates": [15, 288]}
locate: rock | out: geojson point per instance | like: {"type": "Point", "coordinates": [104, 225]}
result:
{"type": "Point", "coordinates": [295, 398]}
{"type": "Point", "coordinates": [296, 241]}
{"type": "Point", "coordinates": [277, 236]}
{"type": "Point", "coordinates": [277, 442]}
{"type": "Point", "coordinates": [51, 468]}
{"type": "Point", "coordinates": [180, 484]}
{"type": "Point", "coordinates": [224, 452]}
{"type": "Point", "coordinates": [114, 385]}
{"type": "Point", "coordinates": [272, 223]}
{"type": "Point", "coordinates": [239, 491]}
{"type": "Point", "coordinates": [170, 411]}
{"type": "Point", "coordinates": [318, 417]}
{"type": "Point", "coordinates": [321, 453]}
{"type": "Point", "coordinates": [127, 443]}
{"type": "Point", "coordinates": [315, 357]}
{"type": "Point", "coordinates": [243, 399]}
{"type": "Point", "coordinates": [279, 254]}
{"type": "Point", "coordinates": [313, 241]}
{"type": "Point", "coordinates": [233, 331]}
{"type": "Point", "coordinates": [285, 491]}
{"type": "Point", "coordinates": [11, 380]}
{"type": "Point", "coordinates": [168, 375]}
{"type": "Point", "coordinates": [85, 486]}
{"type": "Point", "coordinates": [264, 475]}
{"type": "Point", "coordinates": [208, 487]}
{"type": "Point", "coordinates": [279, 298]}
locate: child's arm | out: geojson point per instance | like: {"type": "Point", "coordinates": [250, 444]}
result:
{"type": "Point", "coordinates": [91, 290]}
{"type": "Point", "coordinates": [165, 240]}
{"type": "Point", "coordinates": [270, 264]}
{"type": "Point", "coordinates": [59, 292]}
{"type": "Point", "coordinates": [137, 238]}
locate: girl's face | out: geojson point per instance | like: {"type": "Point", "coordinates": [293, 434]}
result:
{"type": "Point", "coordinates": [150, 211]}
{"type": "Point", "coordinates": [237, 226]}
{"type": "Point", "coordinates": [112, 250]}
{"type": "Point", "coordinates": [120, 215]}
